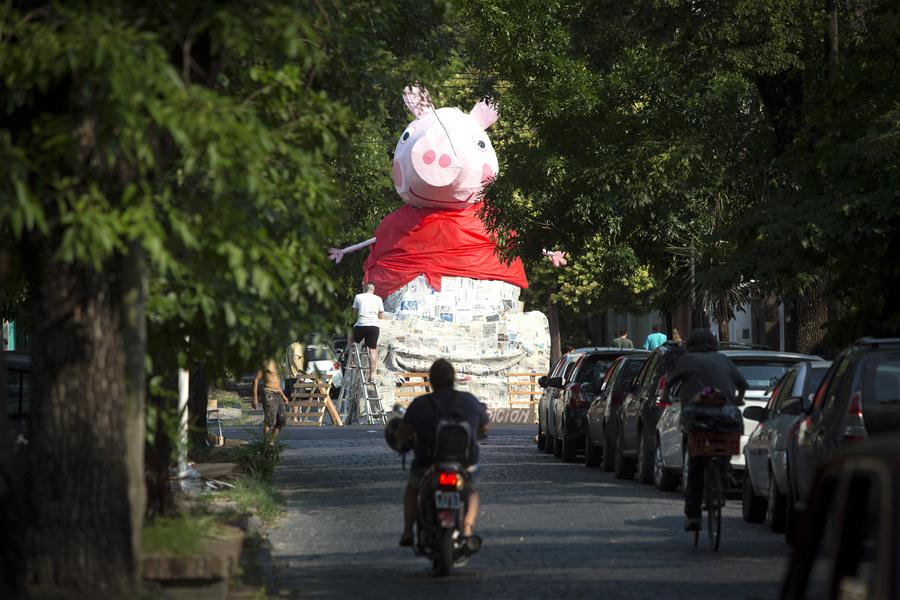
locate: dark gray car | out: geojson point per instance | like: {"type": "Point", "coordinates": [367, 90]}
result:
{"type": "Point", "coordinates": [858, 398]}
{"type": "Point", "coordinates": [765, 454]}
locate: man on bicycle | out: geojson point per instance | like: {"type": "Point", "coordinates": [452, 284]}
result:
{"type": "Point", "coordinates": [702, 368]}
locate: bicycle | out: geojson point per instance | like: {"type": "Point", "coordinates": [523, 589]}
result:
{"type": "Point", "coordinates": [719, 447]}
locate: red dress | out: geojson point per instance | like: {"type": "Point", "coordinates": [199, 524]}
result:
{"type": "Point", "coordinates": [434, 242]}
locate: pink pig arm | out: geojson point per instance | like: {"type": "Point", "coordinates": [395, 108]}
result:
{"type": "Point", "coordinates": [337, 254]}
{"type": "Point", "coordinates": [557, 257]}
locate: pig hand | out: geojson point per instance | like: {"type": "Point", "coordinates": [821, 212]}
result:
{"type": "Point", "coordinates": [557, 257]}
{"type": "Point", "coordinates": [336, 254]}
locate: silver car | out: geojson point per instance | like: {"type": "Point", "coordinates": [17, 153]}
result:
{"type": "Point", "coordinates": [762, 369]}
{"type": "Point", "coordinates": [765, 481]}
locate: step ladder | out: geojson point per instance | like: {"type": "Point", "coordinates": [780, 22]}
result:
{"type": "Point", "coordinates": [356, 390]}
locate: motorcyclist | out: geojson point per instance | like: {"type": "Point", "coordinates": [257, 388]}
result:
{"type": "Point", "coordinates": [702, 367]}
{"type": "Point", "coordinates": [421, 419]}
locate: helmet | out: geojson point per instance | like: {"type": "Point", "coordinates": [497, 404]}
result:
{"type": "Point", "coordinates": [390, 436]}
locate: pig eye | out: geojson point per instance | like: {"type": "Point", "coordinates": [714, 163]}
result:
{"type": "Point", "coordinates": [407, 134]}
{"type": "Point", "coordinates": [481, 144]}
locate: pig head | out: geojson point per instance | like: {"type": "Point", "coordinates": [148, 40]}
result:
{"type": "Point", "coordinates": [444, 158]}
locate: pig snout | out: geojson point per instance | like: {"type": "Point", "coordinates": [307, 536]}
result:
{"type": "Point", "coordinates": [434, 160]}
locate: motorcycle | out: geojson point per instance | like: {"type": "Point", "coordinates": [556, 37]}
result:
{"type": "Point", "coordinates": [442, 502]}
{"type": "Point", "coordinates": [442, 505]}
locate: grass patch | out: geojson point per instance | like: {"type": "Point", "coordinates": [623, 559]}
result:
{"type": "Point", "coordinates": [225, 399]}
{"type": "Point", "coordinates": [256, 494]}
{"type": "Point", "coordinates": [177, 535]}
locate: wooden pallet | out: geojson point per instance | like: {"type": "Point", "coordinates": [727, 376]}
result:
{"type": "Point", "coordinates": [524, 391]}
{"type": "Point", "coordinates": [308, 404]}
{"type": "Point", "coordinates": [413, 385]}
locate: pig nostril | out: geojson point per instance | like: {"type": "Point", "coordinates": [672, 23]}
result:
{"type": "Point", "coordinates": [444, 161]}
{"type": "Point", "coordinates": [428, 157]}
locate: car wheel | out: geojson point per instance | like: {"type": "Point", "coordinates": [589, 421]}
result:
{"type": "Point", "coordinates": [609, 453]}
{"type": "Point", "coordinates": [569, 448]}
{"type": "Point", "coordinates": [557, 447]}
{"type": "Point", "coordinates": [663, 479]}
{"type": "Point", "coordinates": [624, 466]}
{"type": "Point", "coordinates": [592, 457]}
{"type": "Point", "coordinates": [645, 459]}
{"type": "Point", "coordinates": [776, 509]}
{"type": "Point", "coordinates": [753, 507]}
{"type": "Point", "coordinates": [542, 441]}
{"type": "Point", "coordinates": [549, 442]}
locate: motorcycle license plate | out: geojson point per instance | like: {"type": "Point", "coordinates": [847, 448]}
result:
{"type": "Point", "coordinates": [446, 499]}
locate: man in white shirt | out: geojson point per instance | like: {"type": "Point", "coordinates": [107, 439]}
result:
{"type": "Point", "coordinates": [368, 309]}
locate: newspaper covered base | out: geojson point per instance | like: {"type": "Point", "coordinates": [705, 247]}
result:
{"type": "Point", "coordinates": [478, 325]}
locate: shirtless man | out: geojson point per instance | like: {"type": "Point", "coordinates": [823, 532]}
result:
{"type": "Point", "coordinates": [274, 398]}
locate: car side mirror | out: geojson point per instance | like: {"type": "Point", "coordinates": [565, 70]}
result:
{"type": "Point", "coordinates": [542, 381]}
{"type": "Point", "coordinates": [555, 382]}
{"type": "Point", "coordinates": [755, 413]}
{"type": "Point", "coordinates": [793, 406]}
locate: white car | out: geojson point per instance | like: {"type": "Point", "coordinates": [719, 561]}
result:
{"type": "Point", "coordinates": [320, 361]}
{"type": "Point", "coordinates": [762, 369]}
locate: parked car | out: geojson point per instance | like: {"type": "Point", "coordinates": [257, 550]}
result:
{"type": "Point", "coordinates": [858, 398]}
{"type": "Point", "coordinates": [640, 410]}
{"type": "Point", "coordinates": [320, 361]}
{"type": "Point", "coordinates": [553, 385]}
{"type": "Point", "coordinates": [601, 424]}
{"type": "Point", "coordinates": [762, 369]}
{"type": "Point", "coordinates": [847, 544]}
{"type": "Point", "coordinates": [571, 406]}
{"type": "Point", "coordinates": [764, 495]}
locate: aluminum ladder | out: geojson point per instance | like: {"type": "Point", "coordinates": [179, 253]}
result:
{"type": "Point", "coordinates": [355, 387]}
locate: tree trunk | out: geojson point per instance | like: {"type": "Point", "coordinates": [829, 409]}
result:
{"type": "Point", "coordinates": [12, 518]}
{"type": "Point", "coordinates": [811, 311]}
{"type": "Point", "coordinates": [84, 503]}
{"type": "Point", "coordinates": [724, 332]}
{"type": "Point", "coordinates": [198, 397]}
{"type": "Point", "coordinates": [553, 320]}
{"type": "Point", "coordinates": [160, 448]}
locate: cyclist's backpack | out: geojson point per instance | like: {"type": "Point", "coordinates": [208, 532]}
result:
{"type": "Point", "coordinates": [452, 432]}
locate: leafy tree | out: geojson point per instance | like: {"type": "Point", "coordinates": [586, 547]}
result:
{"type": "Point", "coordinates": [182, 161]}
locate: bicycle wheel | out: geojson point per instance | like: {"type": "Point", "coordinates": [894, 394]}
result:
{"type": "Point", "coordinates": [714, 503]}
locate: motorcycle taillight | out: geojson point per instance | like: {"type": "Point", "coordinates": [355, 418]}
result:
{"type": "Point", "coordinates": [449, 479]}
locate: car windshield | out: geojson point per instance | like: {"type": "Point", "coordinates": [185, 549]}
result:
{"type": "Point", "coordinates": [883, 378]}
{"type": "Point", "coordinates": [814, 376]}
{"type": "Point", "coordinates": [762, 375]}
{"type": "Point", "coordinates": [630, 371]}
{"type": "Point", "coordinates": [594, 369]}
{"type": "Point", "coordinates": [316, 353]}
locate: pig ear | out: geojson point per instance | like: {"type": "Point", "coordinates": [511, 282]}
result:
{"type": "Point", "coordinates": [417, 100]}
{"type": "Point", "coordinates": [485, 114]}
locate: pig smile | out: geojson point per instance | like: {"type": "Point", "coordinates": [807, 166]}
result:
{"type": "Point", "coordinates": [469, 197]}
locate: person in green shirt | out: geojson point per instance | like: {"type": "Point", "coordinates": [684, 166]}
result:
{"type": "Point", "coordinates": [622, 340]}
{"type": "Point", "coordinates": [655, 339]}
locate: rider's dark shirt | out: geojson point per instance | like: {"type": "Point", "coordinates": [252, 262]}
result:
{"type": "Point", "coordinates": [696, 370]}
{"type": "Point", "coordinates": [422, 414]}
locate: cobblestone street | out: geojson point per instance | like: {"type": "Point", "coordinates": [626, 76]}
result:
{"type": "Point", "coordinates": [550, 530]}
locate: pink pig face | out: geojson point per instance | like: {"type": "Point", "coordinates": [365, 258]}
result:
{"type": "Point", "coordinates": [444, 158]}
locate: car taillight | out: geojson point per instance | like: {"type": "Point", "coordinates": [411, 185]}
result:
{"type": "Point", "coordinates": [449, 479]}
{"type": "Point", "coordinates": [855, 428]}
{"type": "Point", "coordinates": [337, 366]}
{"type": "Point", "coordinates": [660, 403]}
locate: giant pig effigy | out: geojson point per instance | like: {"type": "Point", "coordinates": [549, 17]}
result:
{"type": "Point", "coordinates": [446, 291]}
